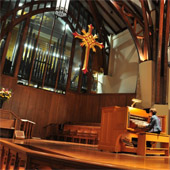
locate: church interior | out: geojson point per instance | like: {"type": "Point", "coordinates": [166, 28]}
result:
{"type": "Point", "coordinates": [77, 81]}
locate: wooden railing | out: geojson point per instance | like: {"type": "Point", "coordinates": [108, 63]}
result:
{"type": "Point", "coordinates": [8, 114]}
{"type": "Point", "coordinates": [11, 122]}
{"type": "Point", "coordinates": [18, 157]}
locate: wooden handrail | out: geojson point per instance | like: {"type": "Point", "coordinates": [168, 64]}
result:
{"type": "Point", "coordinates": [50, 159]}
{"type": "Point", "coordinates": [8, 111]}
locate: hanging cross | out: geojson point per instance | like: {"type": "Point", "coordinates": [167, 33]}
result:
{"type": "Point", "coordinates": [89, 41]}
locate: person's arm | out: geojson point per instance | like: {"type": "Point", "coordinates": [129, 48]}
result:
{"type": "Point", "coordinates": [151, 124]}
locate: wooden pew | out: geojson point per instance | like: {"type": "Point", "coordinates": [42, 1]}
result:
{"type": "Point", "coordinates": [81, 133]}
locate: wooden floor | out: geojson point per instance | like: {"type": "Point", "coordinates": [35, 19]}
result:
{"type": "Point", "coordinates": [93, 155]}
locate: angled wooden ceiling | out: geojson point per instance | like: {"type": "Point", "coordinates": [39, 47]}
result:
{"type": "Point", "coordinates": [112, 22]}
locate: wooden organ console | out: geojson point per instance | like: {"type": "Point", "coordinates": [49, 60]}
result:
{"type": "Point", "coordinates": [119, 132]}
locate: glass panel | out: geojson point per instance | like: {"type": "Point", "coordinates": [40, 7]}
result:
{"type": "Point", "coordinates": [2, 45]}
{"type": "Point", "coordinates": [51, 60]}
{"type": "Point", "coordinates": [7, 6]}
{"type": "Point", "coordinates": [8, 21]}
{"type": "Point", "coordinates": [84, 78]}
{"type": "Point", "coordinates": [41, 6]}
{"type": "Point", "coordinates": [84, 83]}
{"type": "Point", "coordinates": [53, 4]}
{"type": "Point", "coordinates": [42, 51]}
{"type": "Point", "coordinates": [35, 7]}
{"type": "Point", "coordinates": [26, 10]}
{"type": "Point", "coordinates": [19, 12]}
{"type": "Point", "coordinates": [76, 66]}
{"type": "Point", "coordinates": [29, 49]}
{"type": "Point", "coordinates": [48, 5]}
{"type": "Point", "coordinates": [94, 82]}
{"type": "Point", "coordinates": [65, 58]}
{"type": "Point", "coordinates": [13, 48]}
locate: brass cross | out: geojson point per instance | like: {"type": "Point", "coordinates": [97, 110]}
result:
{"type": "Point", "coordinates": [89, 41]}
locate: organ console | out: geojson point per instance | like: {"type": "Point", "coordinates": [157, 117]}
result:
{"type": "Point", "coordinates": [120, 127]}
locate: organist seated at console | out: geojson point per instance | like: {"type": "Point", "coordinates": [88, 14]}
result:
{"type": "Point", "coordinates": [153, 126]}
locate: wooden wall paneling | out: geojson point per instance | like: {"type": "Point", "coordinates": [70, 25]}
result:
{"type": "Point", "coordinates": [52, 116]}
{"type": "Point", "coordinates": [23, 104]}
{"type": "Point", "coordinates": [44, 107]}
{"type": "Point", "coordinates": [93, 108]}
{"type": "Point", "coordinates": [129, 99]}
{"type": "Point", "coordinates": [77, 110]}
{"type": "Point", "coordinates": [17, 98]}
{"type": "Point", "coordinates": [32, 98]}
{"type": "Point", "coordinates": [62, 112]}
{"type": "Point", "coordinates": [86, 108]}
{"type": "Point", "coordinates": [121, 99]}
{"type": "Point", "coordinates": [73, 108]}
{"type": "Point", "coordinates": [39, 103]}
{"type": "Point", "coordinates": [58, 108]}
{"type": "Point", "coordinates": [42, 118]}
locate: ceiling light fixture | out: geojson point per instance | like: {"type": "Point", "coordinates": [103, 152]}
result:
{"type": "Point", "coordinates": [62, 7]}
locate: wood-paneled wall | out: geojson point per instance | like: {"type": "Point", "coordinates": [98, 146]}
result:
{"type": "Point", "coordinates": [44, 107]}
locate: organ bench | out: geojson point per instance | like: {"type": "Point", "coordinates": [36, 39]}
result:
{"type": "Point", "coordinates": [143, 138]}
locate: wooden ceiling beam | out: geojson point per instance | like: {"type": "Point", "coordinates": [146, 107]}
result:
{"type": "Point", "coordinates": [110, 27]}
{"type": "Point", "coordinates": [148, 32]}
{"type": "Point", "coordinates": [109, 15]}
{"type": "Point", "coordinates": [96, 15]}
{"type": "Point", "coordinates": [111, 6]}
{"type": "Point", "coordinates": [132, 30]}
{"type": "Point", "coordinates": [135, 8]}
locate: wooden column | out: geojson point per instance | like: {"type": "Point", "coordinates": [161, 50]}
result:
{"type": "Point", "coordinates": [165, 49]}
{"type": "Point", "coordinates": [146, 16]}
{"type": "Point", "coordinates": [159, 55]}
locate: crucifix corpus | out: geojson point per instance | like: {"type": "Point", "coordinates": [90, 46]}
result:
{"type": "Point", "coordinates": [89, 41]}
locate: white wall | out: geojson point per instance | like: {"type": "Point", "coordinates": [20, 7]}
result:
{"type": "Point", "coordinates": [146, 83]}
{"type": "Point", "coordinates": [123, 66]}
